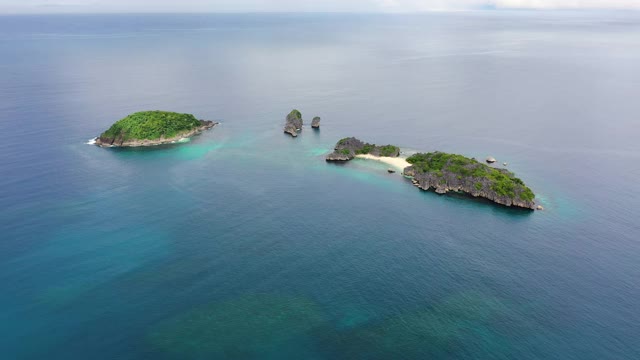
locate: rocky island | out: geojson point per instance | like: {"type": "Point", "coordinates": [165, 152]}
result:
{"type": "Point", "coordinates": [348, 148]}
{"type": "Point", "coordinates": [148, 128]}
{"type": "Point", "coordinates": [444, 172]}
{"type": "Point", "coordinates": [315, 123]}
{"type": "Point", "coordinates": [293, 123]}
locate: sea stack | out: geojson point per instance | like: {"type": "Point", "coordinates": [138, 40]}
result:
{"type": "Point", "coordinates": [293, 123]}
{"type": "Point", "coordinates": [315, 123]}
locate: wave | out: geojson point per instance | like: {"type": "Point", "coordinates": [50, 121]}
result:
{"type": "Point", "coordinates": [91, 141]}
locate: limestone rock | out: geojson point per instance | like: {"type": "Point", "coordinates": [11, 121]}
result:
{"type": "Point", "coordinates": [315, 123]}
{"type": "Point", "coordinates": [293, 123]}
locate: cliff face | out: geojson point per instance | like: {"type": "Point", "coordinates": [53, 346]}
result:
{"type": "Point", "coordinates": [293, 123]}
{"type": "Point", "coordinates": [119, 141]}
{"type": "Point", "coordinates": [347, 148]}
{"type": "Point", "coordinates": [475, 179]}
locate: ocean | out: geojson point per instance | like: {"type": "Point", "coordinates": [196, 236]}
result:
{"type": "Point", "coordinates": [243, 243]}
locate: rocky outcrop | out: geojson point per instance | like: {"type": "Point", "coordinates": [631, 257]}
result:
{"type": "Point", "coordinates": [347, 148]}
{"type": "Point", "coordinates": [120, 141]}
{"type": "Point", "coordinates": [339, 156]}
{"type": "Point", "coordinates": [293, 123]}
{"type": "Point", "coordinates": [463, 175]}
{"type": "Point", "coordinates": [315, 123]}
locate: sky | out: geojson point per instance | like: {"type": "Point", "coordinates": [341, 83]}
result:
{"type": "Point", "coordinates": [110, 6]}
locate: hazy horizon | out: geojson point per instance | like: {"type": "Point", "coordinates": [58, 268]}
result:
{"type": "Point", "coordinates": [278, 6]}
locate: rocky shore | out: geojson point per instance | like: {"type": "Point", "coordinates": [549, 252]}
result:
{"type": "Point", "coordinates": [445, 173]}
{"type": "Point", "coordinates": [119, 141]}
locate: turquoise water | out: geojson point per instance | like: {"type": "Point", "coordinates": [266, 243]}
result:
{"type": "Point", "coordinates": [244, 243]}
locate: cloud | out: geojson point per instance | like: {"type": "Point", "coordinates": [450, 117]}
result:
{"type": "Point", "coordinates": [7, 6]}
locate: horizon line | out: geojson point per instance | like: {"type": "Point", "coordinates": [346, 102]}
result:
{"type": "Point", "coordinates": [482, 9]}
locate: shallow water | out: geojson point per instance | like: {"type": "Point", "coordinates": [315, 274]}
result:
{"type": "Point", "coordinates": [107, 253]}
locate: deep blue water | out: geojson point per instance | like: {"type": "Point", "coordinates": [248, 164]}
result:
{"type": "Point", "coordinates": [244, 243]}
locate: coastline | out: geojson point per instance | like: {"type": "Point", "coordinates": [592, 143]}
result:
{"type": "Point", "coordinates": [396, 162]}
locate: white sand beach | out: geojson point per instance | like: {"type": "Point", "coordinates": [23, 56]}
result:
{"type": "Point", "coordinates": [396, 162]}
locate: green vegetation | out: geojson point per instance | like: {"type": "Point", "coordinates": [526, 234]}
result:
{"type": "Point", "coordinates": [389, 150]}
{"type": "Point", "coordinates": [527, 194]}
{"type": "Point", "coordinates": [367, 148]}
{"type": "Point", "coordinates": [295, 114]}
{"type": "Point", "coordinates": [345, 151]}
{"type": "Point", "coordinates": [151, 125]}
{"type": "Point", "coordinates": [502, 182]}
{"type": "Point", "coordinates": [362, 148]}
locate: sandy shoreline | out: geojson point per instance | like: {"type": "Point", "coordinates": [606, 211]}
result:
{"type": "Point", "coordinates": [397, 162]}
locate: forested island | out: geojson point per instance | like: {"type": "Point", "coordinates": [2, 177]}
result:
{"type": "Point", "coordinates": [148, 128]}
{"type": "Point", "coordinates": [443, 172]}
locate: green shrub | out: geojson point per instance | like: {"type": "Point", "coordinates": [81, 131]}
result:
{"type": "Point", "coordinates": [367, 148]}
{"type": "Point", "coordinates": [296, 114]}
{"type": "Point", "coordinates": [388, 150]}
{"type": "Point", "coordinates": [527, 194]}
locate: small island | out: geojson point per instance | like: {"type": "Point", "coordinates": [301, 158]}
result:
{"type": "Point", "coordinates": [348, 148]}
{"type": "Point", "coordinates": [444, 172]}
{"type": "Point", "coordinates": [148, 128]}
{"type": "Point", "coordinates": [315, 123]}
{"type": "Point", "coordinates": [293, 123]}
